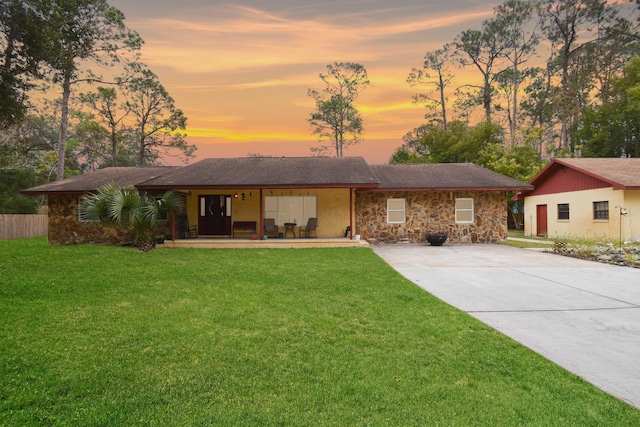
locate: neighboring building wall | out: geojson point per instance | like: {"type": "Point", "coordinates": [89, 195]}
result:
{"type": "Point", "coordinates": [581, 222]}
{"type": "Point", "coordinates": [65, 229]}
{"type": "Point", "coordinates": [432, 212]}
{"type": "Point", "coordinates": [561, 179]}
{"type": "Point", "coordinates": [631, 222]}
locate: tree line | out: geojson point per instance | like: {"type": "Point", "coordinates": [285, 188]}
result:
{"type": "Point", "coordinates": [552, 78]}
{"type": "Point", "coordinates": [111, 110]}
{"type": "Point", "coordinates": [549, 78]}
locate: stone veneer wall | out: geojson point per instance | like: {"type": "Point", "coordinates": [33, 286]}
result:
{"type": "Point", "coordinates": [433, 212]}
{"type": "Point", "coordinates": [65, 229]}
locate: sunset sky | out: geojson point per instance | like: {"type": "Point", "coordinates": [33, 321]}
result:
{"type": "Point", "coordinates": [240, 71]}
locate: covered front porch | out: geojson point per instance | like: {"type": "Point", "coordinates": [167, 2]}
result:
{"type": "Point", "coordinates": [297, 243]}
{"type": "Point", "coordinates": [278, 213]}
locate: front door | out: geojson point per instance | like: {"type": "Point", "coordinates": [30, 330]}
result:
{"type": "Point", "coordinates": [541, 220]}
{"type": "Point", "coordinates": [215, 215]}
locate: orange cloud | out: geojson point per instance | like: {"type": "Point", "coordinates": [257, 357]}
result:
{"type": "Point", "coordinates": [241, 74]}
{"type": "Point", "coordinates": [241, 37]}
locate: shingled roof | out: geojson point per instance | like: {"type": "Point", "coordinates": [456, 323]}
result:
{"type": "Point", "coordinates": [621, 173]}
{"type": "Point", "coordinates": [92, 181]}
{"type": "Point", "coordinates": [293, 172]}
{"type": "Point", "coordinates": [268, 172]}
{"type": "Point", "coordinates": [443, 177]}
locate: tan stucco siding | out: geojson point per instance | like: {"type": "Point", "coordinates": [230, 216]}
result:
{"type": "Point", "coordinates": [434, 212]}
{"type": "Point", "coordinates": [631, 222]}
{"type": "Point", "coordinates": [333, 212]}
{"type": "Point", "coordinates": [581, 222]}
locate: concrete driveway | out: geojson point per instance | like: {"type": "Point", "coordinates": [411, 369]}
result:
{"type": "Point", "coordinates": [582, 315]}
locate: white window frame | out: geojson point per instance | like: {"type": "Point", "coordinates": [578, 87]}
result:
{"type": "Point", "coordinates": [393, 208]}
{"type": "Point", "coordinates": [292, 209]}
{"type": "Point", "coordinates": [460, 210]}
{"type": "Point", "coordinates": [78, 216]}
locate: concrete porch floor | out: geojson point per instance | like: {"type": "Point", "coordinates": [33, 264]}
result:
{"type": "Point", "coordinates": [291, 243]}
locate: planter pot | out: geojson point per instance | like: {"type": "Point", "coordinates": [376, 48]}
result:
{"type": "Point", "coordinates": [254, 237]}
{"type": "Point", "coordinates": [436, 239]}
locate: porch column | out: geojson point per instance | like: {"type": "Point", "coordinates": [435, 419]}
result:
{"type": "Point", "coordinates": [261, 224]}
{"type": "Point", "coordinates": [350, 213]}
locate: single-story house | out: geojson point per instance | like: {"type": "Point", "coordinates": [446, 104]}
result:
{"type": "Point", "coordinates": [231, 197]}
{"type": "Point", "coordinates": [585, 197]}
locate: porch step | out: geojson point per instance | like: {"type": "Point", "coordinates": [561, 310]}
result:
{"type": "Point", "coordinates": [205, 243]}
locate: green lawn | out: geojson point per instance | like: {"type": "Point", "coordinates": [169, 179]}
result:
{"type": "Point", "coordinates": [106, 336]}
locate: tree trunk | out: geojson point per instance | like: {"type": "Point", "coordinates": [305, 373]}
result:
{"type": "Point", "coordinates": [564, 115]}
{"type": "Point", "coordinates": [114, 144]}
{"type": "Point", "coordinates": [442, 103]}
{"type": "Point", "coordinates": [486, 98]}
{"type": "Point", "coordinates": [141, 152]}
{"type": "Point", "coordinates": [514, 117]}
{"type": "Point", "coordinates": [340, 136]}
{"type": "Point", "coordinates": [564, 134]}
{"type": "Point", "coordinates": [64, 125]}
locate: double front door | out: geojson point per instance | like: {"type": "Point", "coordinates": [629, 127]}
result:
{"type": "Point", "coordinates": [214, 217]}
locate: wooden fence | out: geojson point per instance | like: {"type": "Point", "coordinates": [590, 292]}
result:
{"type": "Point", "coordinates": [22, 226]}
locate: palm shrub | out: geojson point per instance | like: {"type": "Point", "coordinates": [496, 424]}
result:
{"type": "Point", "coordinates": [130, 210]}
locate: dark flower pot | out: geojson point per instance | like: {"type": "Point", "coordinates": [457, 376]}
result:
{"type": "Point", "coordinates": [436, 239]}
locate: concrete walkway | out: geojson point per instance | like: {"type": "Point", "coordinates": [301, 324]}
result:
{"type": "Point", "coordinates": [582, 315]}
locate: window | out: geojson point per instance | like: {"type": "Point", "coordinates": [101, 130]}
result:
{"type": "Point", "coordinates": [396, 211]}
{"type": "Point", "coordinates": [163, 215]}
{"type": "Point", "coordinates": [563, 211]}
{"type": "Point", "coordinates": [601, 210]}
{"type": "Point", "coordinates": [80, 217]}
{"type": "Point", "coordinates": [296, 209]}
{"type": "Point", "coordinates": [464, 211]}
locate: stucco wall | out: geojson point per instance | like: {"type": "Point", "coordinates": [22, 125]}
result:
{"type": "Point", "coordinates": [66, 229]}
{"type": "Point", "coordinates": [631, 222]}
{"type": "Point", "coordinates": [434, 212]}
{"type": "Point", "coordinates": [581, 222]}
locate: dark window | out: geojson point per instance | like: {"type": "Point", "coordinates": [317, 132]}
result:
{"type": "Point", "coordinates": [600, 210]}
{"type": "Point", "coordinates": [563, 211]}
{"type": "Point", "coordinates": [162, 211]}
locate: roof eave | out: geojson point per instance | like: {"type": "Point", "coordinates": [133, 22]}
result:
{"type": "Point", "coordinates": [253, 186]}
{"type": "Point", "coordinates": [54, 192]}
{"type": "Point", "coordinates": [625, 187]}
{"type": "Point", "coordinates": [436, 189]}
{"type": "Point", "coordinates": [540, 174]}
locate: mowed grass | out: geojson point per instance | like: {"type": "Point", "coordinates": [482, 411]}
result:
{"type": "Point", "coordinates": [108, 336]}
